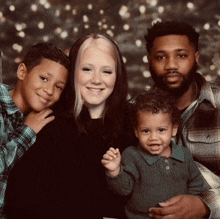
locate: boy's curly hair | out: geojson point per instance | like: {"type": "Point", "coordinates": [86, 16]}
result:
{"type": "Point", "coordinates": [154, 101]}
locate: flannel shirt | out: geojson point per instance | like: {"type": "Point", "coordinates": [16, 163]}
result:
{"type": "Point", "coordinates": [15, 137]}
{"type": "Point", "coordinates": [201, 135]}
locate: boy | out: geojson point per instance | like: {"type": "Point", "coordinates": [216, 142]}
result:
{"type": "Point", "coordinates": [24, 110]}
{"type": "Point", "coordinates": [157, 169]}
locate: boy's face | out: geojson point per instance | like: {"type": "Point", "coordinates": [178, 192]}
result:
{"type": "Point", "coordinates": [155, 131]}
{"type": "Point", "coordinates": [42, 86]}
{"type": "Point", "coordinates": [173, 62]}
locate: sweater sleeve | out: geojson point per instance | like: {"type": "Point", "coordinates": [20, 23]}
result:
{"type": "Point", "coordinates": [123, 183]}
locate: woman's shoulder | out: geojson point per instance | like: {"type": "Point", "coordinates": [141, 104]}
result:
{"type": "Point", "coordinates": [60, 126]}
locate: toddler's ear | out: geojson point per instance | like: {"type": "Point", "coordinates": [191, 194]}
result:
{"type": "Point", "coordinates": [22, 71]}
{"type": "Point", "coordinates": [136, 132]}
{"type": "Point", "coordinates": [175, 129]}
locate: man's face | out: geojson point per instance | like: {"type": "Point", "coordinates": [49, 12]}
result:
{"type": "Point", "coordinates": [173, 62]}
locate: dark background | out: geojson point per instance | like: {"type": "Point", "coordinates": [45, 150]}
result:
{"type": "Point", "coordinates": [26, 22]}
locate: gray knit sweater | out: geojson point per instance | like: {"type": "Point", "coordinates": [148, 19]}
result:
{"type": "Point", "coordinates": [151, 179]}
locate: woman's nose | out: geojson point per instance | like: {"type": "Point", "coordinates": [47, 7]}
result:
{"type": "Point", "coordinates": [96, 78]}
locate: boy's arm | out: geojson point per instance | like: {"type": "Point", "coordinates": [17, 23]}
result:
{"type": "Point", "coordinates": [14, 144]}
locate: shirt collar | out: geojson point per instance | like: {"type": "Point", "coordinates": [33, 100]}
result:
{"type": "Point", "coordinates": [177, 154]}
{"type": "Point", "coordinates": [7, 101]}
{"type": "Point", "coordinates": [206, 90]}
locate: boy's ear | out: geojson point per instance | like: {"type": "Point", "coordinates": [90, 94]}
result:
{"type": "Point", "coordinates": [21, 71]}
{"type": "Point", "coordinates": [175, 129]}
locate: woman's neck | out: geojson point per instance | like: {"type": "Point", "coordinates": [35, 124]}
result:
{"type": "Point", "coordinates": [96, 111]}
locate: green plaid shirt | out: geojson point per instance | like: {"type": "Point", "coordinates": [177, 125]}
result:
{"type": "Point", "coordinates": [201, 135]}
{"type": "Point", "coordinates": [15, 137]}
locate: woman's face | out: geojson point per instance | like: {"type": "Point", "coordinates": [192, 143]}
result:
{"type": "Point", "coordinates": [96, 76]}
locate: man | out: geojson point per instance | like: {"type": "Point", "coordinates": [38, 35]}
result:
{"type": "Point", "coordinates": [173, 58]}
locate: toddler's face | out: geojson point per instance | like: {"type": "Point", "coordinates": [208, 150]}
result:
{"type": "Point", "coordinates": [155, 131]}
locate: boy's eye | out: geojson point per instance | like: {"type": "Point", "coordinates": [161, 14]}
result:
{"type": "Point", "coordinates": [43, 78]}
{"type": "Point", "coordinates": [145, 131]}
{"type": "Point", "coordinates": [59, 87]}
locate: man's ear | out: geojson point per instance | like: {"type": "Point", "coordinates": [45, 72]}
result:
{"type": "Point", "coordinates": [21, 71]}
{"type": "Point", "coordinates": [197, 57]}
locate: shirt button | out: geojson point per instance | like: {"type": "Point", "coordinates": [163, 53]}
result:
{"type": "Point", "coordinates": [167, 167]}
{"type": "Point", "coordinates": [166, 160]}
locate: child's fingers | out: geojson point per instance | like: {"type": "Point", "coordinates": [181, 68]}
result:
{"type": "Point", "coordinates": [108, 157]}
{"type": "Point", "coordinates": [111, 154]}
{"type": "Point", "coordinates": [103, 161]}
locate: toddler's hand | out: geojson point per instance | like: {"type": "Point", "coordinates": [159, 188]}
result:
{"type": "Point", "coordinates": [111, 161]}
{"type": "Point", "coordinates": [37, 120]}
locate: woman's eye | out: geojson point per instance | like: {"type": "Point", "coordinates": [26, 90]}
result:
{"type": "Point", "coordinates": [86, 69]}
{"type": "Point", "coordinates": [107, 71]}
{"type": "Point", "coordinates": [43, 79]}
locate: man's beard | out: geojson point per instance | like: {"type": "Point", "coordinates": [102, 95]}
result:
{"type": "Point", "coordinates": [176, 91]}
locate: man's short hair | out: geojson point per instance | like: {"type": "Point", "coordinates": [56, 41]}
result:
{"type": "Point", "coordinates": [171, 28]}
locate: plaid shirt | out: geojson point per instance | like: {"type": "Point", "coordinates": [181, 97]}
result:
{"type": "Point", "coordinates": [15, 137]}
{"type": "Point", "coordinates": [201, 135]}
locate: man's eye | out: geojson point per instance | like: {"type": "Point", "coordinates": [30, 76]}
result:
{"type": "Point", "coordinates": [160, 57]}
{"type": "Point", "coordinates": [182, 55]}
{"type": "Point", "coordinates": [43, 79]}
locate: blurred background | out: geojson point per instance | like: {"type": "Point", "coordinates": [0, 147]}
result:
{"type": "Point", "coordinates": [27, 22]}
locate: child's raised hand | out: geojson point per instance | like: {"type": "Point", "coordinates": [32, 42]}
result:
{"type": "Point", "coordinates": [111, 161]}
{"type": "Point", "coordinates": [37, 120]}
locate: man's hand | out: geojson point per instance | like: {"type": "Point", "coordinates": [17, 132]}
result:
{"type": "Point", "coordinates": [37, 120]}
{"type": "Point", "coordinates": [111, 161]}
{"type": "Point", "coordinates": [180, 207]}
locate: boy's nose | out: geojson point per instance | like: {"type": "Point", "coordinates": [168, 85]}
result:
{"type": "Point", "coordinates": [49, 89]}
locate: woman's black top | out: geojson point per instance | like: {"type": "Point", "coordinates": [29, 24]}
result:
{"type": "Point", "coordinates": [61, 175]}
